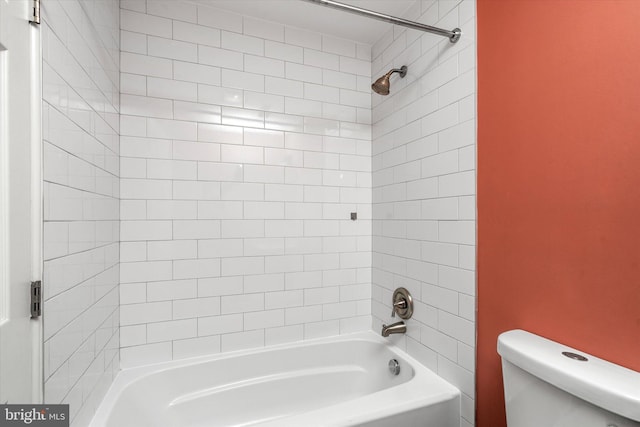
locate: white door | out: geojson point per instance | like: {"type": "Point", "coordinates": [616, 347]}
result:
{"type": "Point", "coordinates": [19, 335]}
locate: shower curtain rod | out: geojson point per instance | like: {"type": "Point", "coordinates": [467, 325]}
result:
{"type": "Point", "coordinates": [453, 35]}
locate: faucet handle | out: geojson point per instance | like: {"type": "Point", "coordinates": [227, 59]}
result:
{"type": "Point", "coordinates": [402, 303]}
{"type": "Point", "coordinates": [398, 305]}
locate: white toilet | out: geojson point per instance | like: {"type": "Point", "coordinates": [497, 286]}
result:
{"type": "Point", "coordinates": [547, 384]}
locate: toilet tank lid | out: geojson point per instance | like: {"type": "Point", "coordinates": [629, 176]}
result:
{"type": "Point", "coordinates": [602, 383]}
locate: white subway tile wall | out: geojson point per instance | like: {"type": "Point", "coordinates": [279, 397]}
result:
{"type": "Point", "coordinates": [80, 112]}
{"type": "Point", "coordinates": [423, 170]}
{"type": "Point", "coordinates": [245, 145]}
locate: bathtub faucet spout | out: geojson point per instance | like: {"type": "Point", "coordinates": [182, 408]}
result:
{"type": "Point", "coordinates": [394, 328]}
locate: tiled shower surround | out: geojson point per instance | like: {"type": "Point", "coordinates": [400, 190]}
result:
{"type": "Point", "coordinates": [423, 163]}
{"type": "Point", "coordinates": [80, 69]}
{"type": "Point", "coordinates": [246, 146]}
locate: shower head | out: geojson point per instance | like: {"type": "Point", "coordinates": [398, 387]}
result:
{"type": "Point", "coordinates": [382, 85]}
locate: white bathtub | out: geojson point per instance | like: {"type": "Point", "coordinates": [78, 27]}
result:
{"type": "Point", "coordinates": [342, 381]}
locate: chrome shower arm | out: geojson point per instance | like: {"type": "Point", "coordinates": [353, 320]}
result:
{"type": "Point", "coordinates": [402, 71]}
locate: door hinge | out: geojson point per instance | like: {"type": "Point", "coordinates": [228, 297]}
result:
{"type": "Point", "coordinates": [36, 299]}
{"type": "Point", "coordinates": [35, 12]}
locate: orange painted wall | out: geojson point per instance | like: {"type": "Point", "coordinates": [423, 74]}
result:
{"type": "Point", "coordinates": [558, 180]}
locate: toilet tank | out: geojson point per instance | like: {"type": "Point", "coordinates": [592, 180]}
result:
{"type": "Point", "coordinates": [545, 388]}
